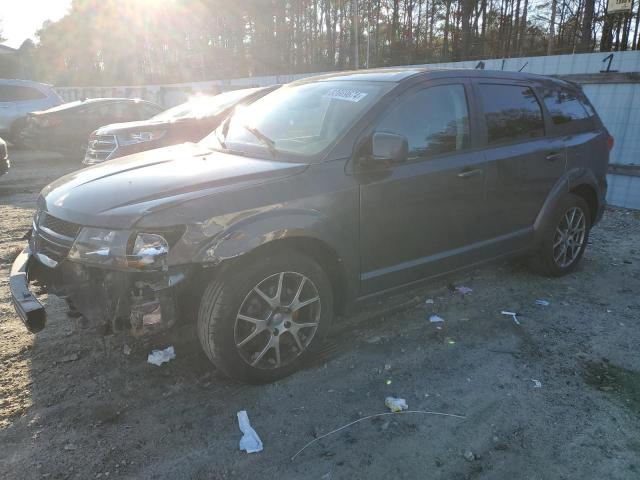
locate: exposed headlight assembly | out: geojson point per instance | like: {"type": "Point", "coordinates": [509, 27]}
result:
{"type": "Point", "coordinates": [139, 137]}
{"type": "Point", "coordinates": [119, 248]}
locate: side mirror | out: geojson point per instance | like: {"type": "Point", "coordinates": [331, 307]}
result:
{"type": "Point", "coordinates": [389, 147]}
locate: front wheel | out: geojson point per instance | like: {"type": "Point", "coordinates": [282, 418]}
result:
{"type": "Point", "coordinates": [261, 320]}
{"type": "Point", "coordinates": [564, 238]}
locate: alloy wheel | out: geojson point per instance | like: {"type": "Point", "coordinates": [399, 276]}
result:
{"type": "Point", "coordinates": [277, 320]}
{"type": "Point", "coordinates": [569, 237]}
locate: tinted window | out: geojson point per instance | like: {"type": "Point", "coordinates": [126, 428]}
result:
{"type": "Point", "coordinates": [511, 113]}
{"type": "Point", "coordinates": [17, 93]}
{"type": "Point", "coordinates": [564, 106]}
{"type": "Point", "coordinates": [434, 120]}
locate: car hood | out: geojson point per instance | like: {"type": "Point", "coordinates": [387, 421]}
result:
{"type": "Point", "coordinates": [124, 127]}
{"type": "Point", "coordinates": [116, 194]}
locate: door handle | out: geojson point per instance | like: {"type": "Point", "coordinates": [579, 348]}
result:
{"type": "Point", "coordinates": [470, 173]}
{"type": "Point", "coordinates": [553, 156]}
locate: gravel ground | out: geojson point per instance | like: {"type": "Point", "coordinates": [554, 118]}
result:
{"type": "Point", "coordinates": [556, 397]}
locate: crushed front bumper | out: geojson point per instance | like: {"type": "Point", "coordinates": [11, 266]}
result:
{"type": "Point", "coordinates": [29, 309]}
{"type": "Point", "coordinates": [140, 302]}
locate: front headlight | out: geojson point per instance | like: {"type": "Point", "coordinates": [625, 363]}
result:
{"type": "Point", "coordinates": [139, 137]}
{"type": "Point", "coordinates": [101, 247]}
{"type": "Point", "coordinates": [149, 250]}
{"type": "Point", "coordinates": [108, 248]}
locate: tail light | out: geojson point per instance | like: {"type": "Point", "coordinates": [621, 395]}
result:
{"type": "Point", "coordinates": [609, 142]}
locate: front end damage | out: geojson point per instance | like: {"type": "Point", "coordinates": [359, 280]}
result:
{"type": "Point", "coordinates": [111, 298]}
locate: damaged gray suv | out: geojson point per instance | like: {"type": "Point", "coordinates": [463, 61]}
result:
{"type": "Point", "coordinates": [319, 196]}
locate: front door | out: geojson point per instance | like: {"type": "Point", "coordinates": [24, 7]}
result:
{"type": "Point", "coordinates": [418, 218]}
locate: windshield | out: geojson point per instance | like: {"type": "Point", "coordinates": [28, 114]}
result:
{"type": "Point", "coordinates": [302, 120]}
{"type": "Point", "coordinates": [205, 106]}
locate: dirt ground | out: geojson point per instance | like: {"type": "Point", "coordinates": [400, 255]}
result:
{"type": "Point", "coordinates": [556, 397]}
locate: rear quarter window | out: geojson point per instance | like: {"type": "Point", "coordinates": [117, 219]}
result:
{"type": "Point", "coordinates": [19, 93]}
{"type": "Point", "coordinates": [569, 113]}
{"type": "Point", "coordinates": [511, 112]}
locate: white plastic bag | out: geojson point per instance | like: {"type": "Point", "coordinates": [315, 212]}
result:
{"type": "Point", "coordinates": [250, 441]}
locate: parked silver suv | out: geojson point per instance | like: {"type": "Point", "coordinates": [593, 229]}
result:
{"type": "Point", "coordinates": [18, 98]}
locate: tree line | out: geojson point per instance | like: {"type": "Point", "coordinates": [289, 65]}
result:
{"type": "Point", "coordinates": [124, 42]}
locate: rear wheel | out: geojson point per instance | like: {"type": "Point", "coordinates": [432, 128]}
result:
{"type": "Point", "coordinates": [565, 237]}
{"type": "Point", "coordinates": [261, 321]}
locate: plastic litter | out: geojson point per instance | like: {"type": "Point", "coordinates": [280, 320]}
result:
{"type": "Point", "coordinates": [464, 290]}
{"type": "Point", "coordinates": [250, 441]}
{"type": "Point", "coordinates": [158, 357]}
{"type": "Point", "coordinates": [544, 303]}
{"type": "Point", "coordinates": [536, 383]}
{"type": "Point", "coordinates": [396, 404]}
{"type": "Point", "coordinates": [513, 315]}
{"type": "Point", "coordinates": [436, 319]}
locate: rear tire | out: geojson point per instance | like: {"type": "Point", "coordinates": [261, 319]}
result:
{"type": "Point", "coordinates": [564, 238]}
{"type": "Point", "coordinates": [263, 318]}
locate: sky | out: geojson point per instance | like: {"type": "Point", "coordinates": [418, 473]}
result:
{"type": "Point", "coordinates": [20, 19]}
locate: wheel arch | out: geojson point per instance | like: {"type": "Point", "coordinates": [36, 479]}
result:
{"type": "Point", "coordinates": [588, 193]}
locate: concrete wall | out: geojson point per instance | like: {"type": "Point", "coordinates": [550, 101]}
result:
{"type": "Point", "coordinates": [617, 99]}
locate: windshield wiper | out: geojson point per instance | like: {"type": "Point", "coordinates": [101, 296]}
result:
{"type": "Point", "coordinates": [225, 130]}
{"type": "Point", "coordinates": [270, 144]}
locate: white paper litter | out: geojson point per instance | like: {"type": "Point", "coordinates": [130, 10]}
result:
{"type": "Point", "coordinates": [536, 383]}
{"type": "Point", "coordinates": [544, 303]}
{"type": "Point", "coordinates": [436, 319]}
{"type": "Point", "coordinates": [250, 441]}
{"type": "Point", "coordinates": [158, 357]}
{"type": "Point", "coordinates": [429, 301]}
{"type": "Point", "coordinates": [464, 290]}
{"type": "Point", "coordinates": [512, 315]}
{"type": "Point", "coordinates": [396, 404]}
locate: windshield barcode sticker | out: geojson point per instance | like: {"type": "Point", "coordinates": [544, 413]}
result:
{"type": "Point", "coordinates": [345, 94]}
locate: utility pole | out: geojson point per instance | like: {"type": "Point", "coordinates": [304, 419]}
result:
{"type": "Point", "coordinates": [356, 56]}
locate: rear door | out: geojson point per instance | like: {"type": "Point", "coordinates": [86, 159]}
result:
{"type": "Point", "coordinates": [418, 218]}
{"type": "Point", "coordinates": [524, 160]}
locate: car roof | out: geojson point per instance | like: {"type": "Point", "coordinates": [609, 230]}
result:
{"type": "Point", "coordinates": [24, 83]}
{"type": "Point", "coordinates": [401, 74]}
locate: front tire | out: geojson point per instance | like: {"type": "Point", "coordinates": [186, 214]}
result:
{"type": "Point", "coordinates": [262, 318]}
{"type": "Point", "coordinates": [564, 238]}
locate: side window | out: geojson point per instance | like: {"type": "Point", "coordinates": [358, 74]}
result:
{"type": "Point", "coordinates": [563, 106]}
{"type": "Point", "coordinates": [146, 111]}
{"type": "Point", "coordinates": [511, 113]}
{"type": "Point", "coordinates": [434, 120]}
{"type": "Point", "coordinates": [18, 93]}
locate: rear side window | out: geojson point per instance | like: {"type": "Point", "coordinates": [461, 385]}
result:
{"type": "Point", "coordinates": [18, 93]}
{"type": "Point", "coordinates": [434, 120]}
{"type": "Point", "coordinates": [568, 111]}
{"type": "Point", "coordinates": [563, 106]}
{"type": "Point", "coordinates": [511, 113]}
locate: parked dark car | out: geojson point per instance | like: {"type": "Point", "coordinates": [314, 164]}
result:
{"type": "Point", "coordinates": [4, 158]}
{"type": "Point", "coordinates": [67, 127]}
{"type": "Point", "coordinates": [326, 193]}
{"type": "Point", "coordinates": [188, 122]}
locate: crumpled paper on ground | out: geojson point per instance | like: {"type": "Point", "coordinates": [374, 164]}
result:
{"type": "Point", "coordinates": [396, 404]}
{"type": "Point", "coordinates": [158, 357]}
{"type": "Point", "coordinates": [250, 441]}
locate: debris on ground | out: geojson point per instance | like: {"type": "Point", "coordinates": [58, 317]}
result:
{"type": "Point", "coordinates": [126, 349]}
{"type": "Point", "coordinates": [396, 404]}
{"type": "Point", "coordinates": [72, 357]}
{"type": "Point", "coordinates": [70, 447]}
{"type": "Point", "coordinates": [436, 319]}
{"type": "Point", "coordinates": [250, 441]}
{"type": "Point", "coordinates": [464, 290]}
{"type": "Point", "coordinates": [469, 456]}
{"type": "Point", "coordinates": [513, 315]}
{"type": "Point", "coordinates": [158, 357]}
{"type": "Point", "coordinates": [536, 383]}
{"type": "Point", "coordinates": [429, 301]}
{"type": "Point", "coordinates": [544, 303]}
{"type": "Point", "coordinates": [422, 412]}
